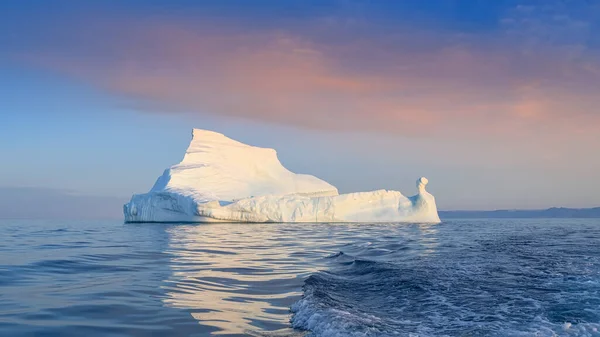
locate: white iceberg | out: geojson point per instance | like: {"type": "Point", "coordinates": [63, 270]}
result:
{"type": "Point", "coordinates": [223, 180]}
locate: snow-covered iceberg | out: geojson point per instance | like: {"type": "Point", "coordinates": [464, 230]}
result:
{"type": "Point", "coordinates": [223, 180]}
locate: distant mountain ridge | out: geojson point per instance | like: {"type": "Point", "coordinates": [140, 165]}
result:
{"type": "Point", "coordinates": [554, 212]}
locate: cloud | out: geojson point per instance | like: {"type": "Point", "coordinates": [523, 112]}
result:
{"type": "Point", "coordinates": [457, 85]}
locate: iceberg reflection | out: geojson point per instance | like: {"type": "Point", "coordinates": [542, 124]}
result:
{"type": "Point", "coordinates": [237, 278]}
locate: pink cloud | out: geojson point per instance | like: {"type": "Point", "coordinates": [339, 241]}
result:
{"type": "Point", "coordinates": [283, 78]}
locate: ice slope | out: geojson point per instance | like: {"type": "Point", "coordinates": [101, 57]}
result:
{"type": "Point", "coordinates": [220, 179]}
{"type": "Point", "coordinates": [216, 167]}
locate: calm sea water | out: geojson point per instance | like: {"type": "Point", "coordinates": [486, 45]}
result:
{"type": "Point", "coordinates": [458, 278]}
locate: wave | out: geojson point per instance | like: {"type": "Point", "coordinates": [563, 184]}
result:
{"type": "Point", "coordinates": [362, 297]}
{"type": "Point", "coordinates": [333, 303]}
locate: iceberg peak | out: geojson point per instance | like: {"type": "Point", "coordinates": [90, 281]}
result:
{"type": "Point", "coordinates": [216, 167]}
{"type": "Point", "coordinates": [201, 137]}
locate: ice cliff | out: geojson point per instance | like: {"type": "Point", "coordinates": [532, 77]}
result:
{"type": "Point", "coordinates": [223, 180]}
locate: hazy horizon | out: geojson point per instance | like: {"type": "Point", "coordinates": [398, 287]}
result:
{"type": "Point", "coordinates": [39, 203]}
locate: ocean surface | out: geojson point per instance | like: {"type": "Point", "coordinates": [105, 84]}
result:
{"type": "Point", "coordinates": [459, 278]}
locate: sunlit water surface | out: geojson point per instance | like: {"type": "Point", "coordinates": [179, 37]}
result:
{"type": "Point", "coordinates": [458, 278]}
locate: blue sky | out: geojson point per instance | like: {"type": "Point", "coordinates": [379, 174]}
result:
{"type": "Point", "coordinates": [494, 101]}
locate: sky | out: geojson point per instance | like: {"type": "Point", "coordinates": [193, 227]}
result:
{"type": "Point", "coordinates": [495, 102]}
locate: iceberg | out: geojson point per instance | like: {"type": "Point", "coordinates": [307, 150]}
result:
{"type": "Point", "coordinates": [223, 180]}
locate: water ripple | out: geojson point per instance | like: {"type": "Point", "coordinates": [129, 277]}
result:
{"type": "Point", "coordinates": [478, 278]}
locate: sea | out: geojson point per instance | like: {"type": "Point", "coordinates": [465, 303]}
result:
{"type": "Point", "coordinates": [476, 277]}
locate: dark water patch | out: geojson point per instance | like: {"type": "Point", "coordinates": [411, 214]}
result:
{"type": "Point", "coordinates": [75, 267]}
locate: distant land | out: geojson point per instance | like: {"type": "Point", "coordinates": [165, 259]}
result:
{"type": "Point", "coordinates": [554, 212]}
